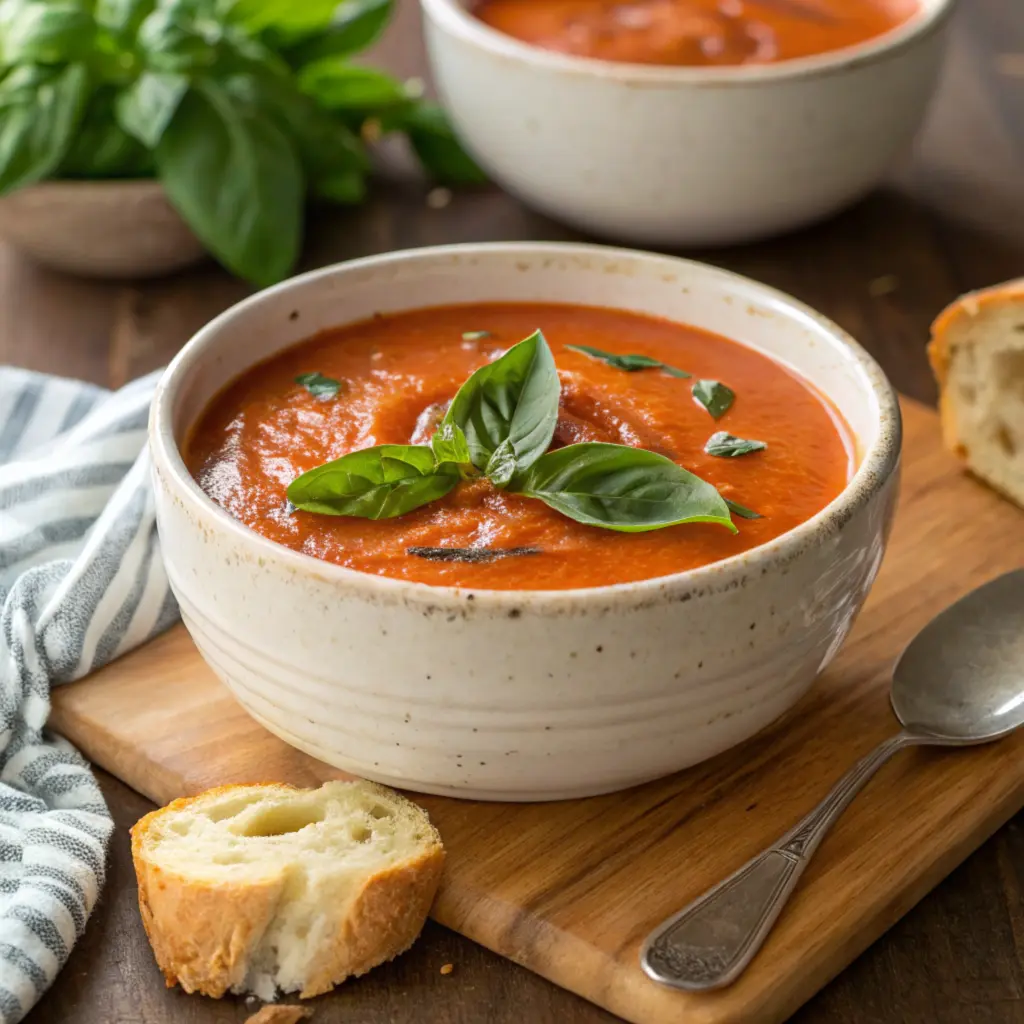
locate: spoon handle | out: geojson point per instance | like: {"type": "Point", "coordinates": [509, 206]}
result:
{"type": "Point", "coordinates": [709, 943]}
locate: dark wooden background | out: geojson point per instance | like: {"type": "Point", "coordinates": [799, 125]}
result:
{"type": "Point", "coordinates": [950, 218]}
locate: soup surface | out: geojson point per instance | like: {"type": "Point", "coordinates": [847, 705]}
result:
{"type": "Point", "coordinates": [398, 371]}
{"type": "Point", "coordinates": [695, 32]}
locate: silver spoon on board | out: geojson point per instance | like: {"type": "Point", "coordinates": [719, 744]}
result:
{"type": "Point", "coordinates": [960, 682]}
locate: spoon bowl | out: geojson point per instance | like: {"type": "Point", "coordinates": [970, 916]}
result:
{"type": "Point", "coordinates": [961, 680]}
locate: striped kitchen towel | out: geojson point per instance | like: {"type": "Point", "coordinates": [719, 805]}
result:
{"type": "Point", "coordinates": [81, 583]}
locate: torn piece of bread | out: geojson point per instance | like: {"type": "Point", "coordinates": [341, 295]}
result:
{"type": "Point", "coordinates": [977, 353]}
{"type": "Point", "coordinates": [266, 887]}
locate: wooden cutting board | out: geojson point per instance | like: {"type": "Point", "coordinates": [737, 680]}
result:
{"type": "Point", "coordinates": [571, 889]}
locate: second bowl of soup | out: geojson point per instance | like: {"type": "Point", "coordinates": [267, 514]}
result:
{"type": "Point", "coordinates": [686, 122]}
{"type": "Point", "coordinates": [672, 502]}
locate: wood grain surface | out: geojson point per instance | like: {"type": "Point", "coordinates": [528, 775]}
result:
{"type": "Point", "coordinates": [951, 217]}
{"type": "Point", "coordinates": [570, 889]}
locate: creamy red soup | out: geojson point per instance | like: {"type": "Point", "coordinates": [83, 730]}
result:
{"type": "Point", "coordinates": [397, 372]}
{"type": "Point", "coordinates": [695, 32]}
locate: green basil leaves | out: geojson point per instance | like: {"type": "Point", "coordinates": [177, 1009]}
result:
{"type": "Point", "coordinates": [508, 409]}
{"type": "Point", "coordinates": [622, 488]}
{"type": "Point", "coordinates": [629, 363]}
{"type": "Point", "coordinates": [714, 396]}
{"type": "Point", "coordinates": [375, 483]}
{"type": "Point", "coordinates": [245, 110]}
{"type": "Point", "coordinates": [726, 446]}
{"type": "Point", "coordinates": [742, 511]}
{"type": "Point", "coordinates": [500, 424]}
{"type": "Point", "coordinates": [318, 385]}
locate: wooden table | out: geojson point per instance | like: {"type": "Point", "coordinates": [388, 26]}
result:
{"type": "Point", "coordinates": [951, 218]}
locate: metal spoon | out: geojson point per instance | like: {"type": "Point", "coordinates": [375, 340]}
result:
{"type": "Point", "coordinates": [960, 682]}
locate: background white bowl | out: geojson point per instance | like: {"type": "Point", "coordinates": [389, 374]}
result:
{"type": "Point", "coordinates": [673, 156]}
{"type": "Point", "coordinates": [522, 695]}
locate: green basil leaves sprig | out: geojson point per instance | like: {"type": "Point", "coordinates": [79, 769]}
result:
{"type": "Point", "coordinates": [629, 363]}
{"type": "Point", "coordinates": [244, 109]}
{"type": "Point", "coordinates": [500, 424]}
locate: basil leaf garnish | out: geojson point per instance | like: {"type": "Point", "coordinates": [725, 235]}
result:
{"type": "Point", "coordinates": [727, 446]}
{"type": "Point", "coordinates": [714, 396]}
{"type": "Point", "coordinates": [476, 335]}
{"type": "Point", "coordinates": [513, 399]}
{"type": "Point", "coordinates": [449, 444]}
{"type": "Point", "coordinates": [374, 483]}
{"type": "Point", "coordinates": [741, 510]}
{"type": "Point", "coordinates": [629, 363]}
{"type": "Point", "coordinates": [622, 488]}
{"type": "Point", "coordinates": [318, 385]}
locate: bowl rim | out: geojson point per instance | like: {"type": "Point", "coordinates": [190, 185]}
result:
{"type": "Point", "coordinates": [879, 460]}
{"type": "Point", "coordinates": [458, 21]}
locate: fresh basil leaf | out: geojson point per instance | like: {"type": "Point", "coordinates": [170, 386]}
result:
{"type": "Point", "coordinates": [375, 483]}
{"type": "Point", "coordinates": [435, 142]}
{"type": "Point", "coordinates": [476, 335]}
{"type": "Point", "coordinates": [354, 25]}
{"type": "Point", "coordinates": [726, 446]}
{"type": "Point", "coordinates": [145, 108]}
{"type": "Point", "coordinates": [101, 148]}
{"type": "Point", "coordinates": [629, 363]}
{"type": "Point", "coordinates": [45, 33]}
{"type": "Point", "coordinates": [334, 159]}
{"type": "Point", "coordinates": [502, 465]}
{"type": "Point", "coordinates": [449, 444]}
{"type": "Point", "coordinates": [344, 87]}
{"type": "Point", "coordinates": [122, 17]}
{"type": "Point", "coordinates": [621, 488]}
{"type": "Point", "coordinates": [742, 511]}
{"type": "Point", "coordinates": [171, 38]}
{"type": "Point", "coordinates": [289, 18]}
{"type": "Point", "coordinates": [38, 125]}
{"type": "Point", "coordinates": [714, 396]}
{"type": "Point", "coordinates": [237, 181]}
{"type": "Point", "coordinates": [513, 399]}
{"type": "Point", "coordinates": [318, 385]}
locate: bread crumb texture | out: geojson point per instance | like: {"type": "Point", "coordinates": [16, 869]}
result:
{"type": "Point", "coordinates": [977, 353]}
{"type": "Point", "coordinates": [280, 1015]}
{"type": "Point", "coordinates": [267, 888]}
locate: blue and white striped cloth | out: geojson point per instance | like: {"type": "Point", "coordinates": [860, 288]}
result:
{"type": "Point", "coordinates": [81, 582]}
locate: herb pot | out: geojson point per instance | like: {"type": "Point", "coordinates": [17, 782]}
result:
{"type": "Point", "coordinates": [522, 695]}
{"type": "Point", "coordinates": [106, 229]}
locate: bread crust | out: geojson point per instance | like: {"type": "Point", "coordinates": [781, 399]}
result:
{"type": "Point", "coordinates": [204, 933]}
{"type": "Point", "coordinates": [943, 331]}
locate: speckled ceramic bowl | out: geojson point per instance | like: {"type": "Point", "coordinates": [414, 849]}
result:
{"type": "Point", "coordinates": [522, 695]}
{"type": "Point", "coordinates": [671, 156]}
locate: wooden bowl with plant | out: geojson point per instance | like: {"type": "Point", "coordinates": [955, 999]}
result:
{"type": "Point", "coordinates": [137, 134]}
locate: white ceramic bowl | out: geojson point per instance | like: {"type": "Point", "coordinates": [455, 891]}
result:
{"type": "Point", "coordinates": [669, 156]}
{"type": "Point", "coordinates": [522, 695]}
{"type": "Point", "coordinates": [118, 229]}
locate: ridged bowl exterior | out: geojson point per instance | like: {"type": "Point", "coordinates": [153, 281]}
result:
{"type": "Point", "coordinates": [518, 695]}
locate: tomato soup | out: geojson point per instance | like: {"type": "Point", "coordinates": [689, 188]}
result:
{"type": "Point", "coordinates": [394, 376]}
{"type": "Point", "coordinates": [695, 32]}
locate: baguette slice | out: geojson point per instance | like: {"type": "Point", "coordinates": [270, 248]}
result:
{"type": "Point", "coordinates": [977, 353]}
{"type": "Point", "coordinates": [266, 887]}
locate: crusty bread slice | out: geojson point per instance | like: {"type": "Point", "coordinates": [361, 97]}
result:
{"type": "Point", "coordinates": [977, 353]}
{"type": "Point", "coordinates": [266, 887]}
